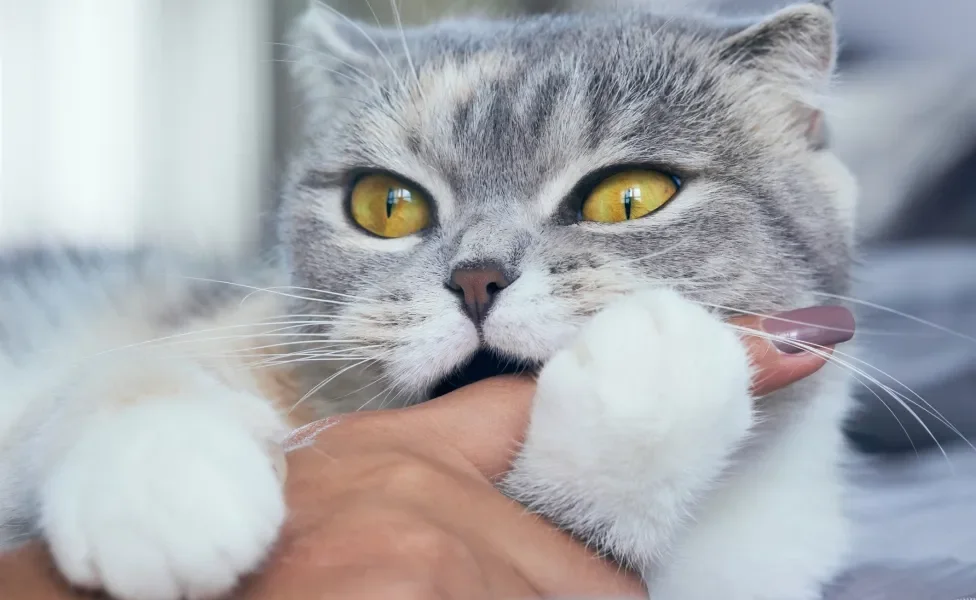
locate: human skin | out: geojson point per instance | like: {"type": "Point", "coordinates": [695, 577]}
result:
{"type": "Point", "coordinates": [401, 504]}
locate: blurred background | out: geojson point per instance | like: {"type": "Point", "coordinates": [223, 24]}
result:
{"type": "Point", "coordinates": [131, 120]}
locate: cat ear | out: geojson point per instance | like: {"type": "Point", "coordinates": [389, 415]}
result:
{"type": "Point", "coordinates": [798, 43]}
{"type": "Point", "coordinates": [793, 53]}
{"type": "Point", "coordinates": [327, 50]}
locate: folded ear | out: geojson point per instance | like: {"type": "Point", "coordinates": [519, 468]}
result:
{"type": "Point", "coordinates": [798, 43]}
{"type": "Point", "coordinates": [794, 53]}
{"type": "Point", "coordinates": [327, 50]}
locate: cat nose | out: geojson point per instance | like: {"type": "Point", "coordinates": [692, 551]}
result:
{"type": "Point", "coordinates": [479, 287]}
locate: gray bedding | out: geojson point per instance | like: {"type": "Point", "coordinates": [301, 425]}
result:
{"type": "Point", "coordinates": [915, 527]}
{"type": "Point", "coordinates": [915, 514]}
{"type": "Point", "coordinates": [945, 580]}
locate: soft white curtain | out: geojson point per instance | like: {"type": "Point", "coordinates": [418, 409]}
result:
{"type": "Point", "coordinates": [128, 120]}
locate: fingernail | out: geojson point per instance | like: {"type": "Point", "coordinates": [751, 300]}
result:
{"type": "Point", "coordinates": [816, 326]}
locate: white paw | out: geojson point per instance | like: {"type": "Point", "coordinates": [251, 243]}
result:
{"type": "Point", "coordinates": [633, 422]}
{"type": "Point", "coordinates": [649, 366]}
{"type": "Point", "coordinates": [165, 499]}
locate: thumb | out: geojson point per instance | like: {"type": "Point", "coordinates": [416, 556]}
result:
{"type": "Point", "coordinates": [484, 421]}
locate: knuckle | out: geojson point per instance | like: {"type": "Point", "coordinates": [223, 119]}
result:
{"type": "Point", "coordinates": [427, 543]}
{"type": "Point", "coordinates": [401, 536]}
{"type": "Point", "coordinates": [411, 477]}
{"type": "Point", "coordinates": [405, 585]}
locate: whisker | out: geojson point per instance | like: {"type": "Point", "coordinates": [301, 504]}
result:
{"type": "Point", "coordinates": [270, 290]}
{"type": "Point", "coordinates": [318, 348]}
{"type": "Point", "coordinates": [392, 401]}
{"type": "Point", "coordinates": [292, 358]}
{"type": "Point", "coordinates": [351, 78]}
{"type": "Point", "coordinates": [385, 390]}
{"type": "Point", "coordinates": [882, 308]}
{"type": "Point", "coordinates": [372, 11]}
{"type": "Point", "coordinates": [860, 331]}
{"type": "Point", "coordinates": [328, 318]}
{"type": "Point", "coordinates": [921, 402]}
{"type": "Point", "coordinates": [821, 352]}
{"type": "Point", "coordinates": [406, 48]}
{"type": "Point", "coordinates": [311, 356]}
{"type": "Point", "coordinates": [385, 393]}
{"type": "Point", "coordinates": [179, 338]}
{"type": "Point", "coordinates": [656, 254]}
{"type": "Point", "coordinates": [315, 389]}
{"type": "Point", "coordinates": [370, 284]}
{"type": "Point", "coordinates": [320, 338]}
{"type": "Point", "coordinates": [899, 313]}
{"type": "Point", "coordinates": [372, 42]}
{"type": "Point", "coordinates": [327, 55]}
{"type": "Point", "coordinates": [184, 334]}
{"type": "Point", "coordinates": [903, 401]}
{"type": "Point", "coordinates": [312, 290]}
{"type": "Point", "coordinates": [359, 389]}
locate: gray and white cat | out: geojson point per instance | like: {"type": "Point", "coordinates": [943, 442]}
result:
{"type": "Point", "coordinates": [591, 194]}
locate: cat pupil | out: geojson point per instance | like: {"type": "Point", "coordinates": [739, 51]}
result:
{"type": "Point", "coordinates": [630, 195]}
{"type": "Point", "coordinates": [393, 196]}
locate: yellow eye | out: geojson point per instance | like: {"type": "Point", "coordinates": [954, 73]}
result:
{"type": "Point", "coordinates": [388, 208]}
{"type": "Point", "coordinates": [629, 195]}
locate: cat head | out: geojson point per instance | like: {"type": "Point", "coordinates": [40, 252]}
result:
{"type": "Point", "coordinates": [476, 189]}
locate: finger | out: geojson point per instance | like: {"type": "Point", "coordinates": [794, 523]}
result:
{"type": "Point", "coordinates": [485, 422]}
{"type": "Point", "coordinates": [791, 346]}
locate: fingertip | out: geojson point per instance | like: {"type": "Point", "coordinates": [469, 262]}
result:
{"type": "Point", "coordinates": [775, 368]}
{"type": "Point", "coordinates": [810, 328]}
{"type": "Point", "coordinates": [488, 398]}
{"type": "Point", "coordinates": [484, 421]}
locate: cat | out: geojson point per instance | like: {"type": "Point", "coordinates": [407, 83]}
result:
{"type": "Point", "coordinates": [586, 196]}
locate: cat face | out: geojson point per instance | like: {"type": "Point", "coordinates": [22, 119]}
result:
{"type": "Point", "coordinates": [493, 136]}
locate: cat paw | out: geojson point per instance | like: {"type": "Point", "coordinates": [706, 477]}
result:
{"type": "Point", "coordinates": [163, 500]}
{"type": "Point", "coordinates": [652, 363]}
{"type": "Point", "coordinates": [633, 421]}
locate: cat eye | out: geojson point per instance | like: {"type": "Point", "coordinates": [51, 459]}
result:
{"type": "Point", "coordinates": [629, 195]}
{"type": "Point", "coordinates": [388, 207]}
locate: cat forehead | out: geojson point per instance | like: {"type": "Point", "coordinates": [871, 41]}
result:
{"type": "Point", "coordinates": [552, 36]}
{"type": "Point", "coordinates": [455, 54]}
{"type": "Point", "coordinates": [501, 108]}
{"type": "Point", "coordinates": [514, 111]}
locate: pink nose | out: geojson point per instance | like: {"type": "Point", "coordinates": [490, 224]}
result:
{"type": "Point", "coordinates": [479, 287]}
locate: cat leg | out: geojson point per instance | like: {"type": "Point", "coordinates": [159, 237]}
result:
{"type": "Point", "coordinates": [634, 423]}
{"type": "Point", "coordinates": [157, 478]}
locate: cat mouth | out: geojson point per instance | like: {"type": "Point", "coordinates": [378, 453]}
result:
{"type": "Point", "coordinates": [483, 365]}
